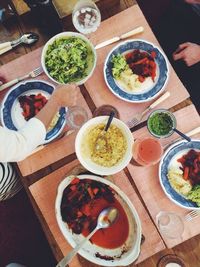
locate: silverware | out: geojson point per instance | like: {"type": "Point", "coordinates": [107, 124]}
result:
{"type": "Point", "coordinates": [182, 135]}
{"type": "Point", "coordinates": [190, 133]}
{"type": "Point", "coordinates": [105, 219]}
{"type": "Point", "coordinates": [140, 115]}
{"type": "Point", "coordinates": [27, 38]}
{"type": "Point", "coordinates": [121, 37]}
{"type": "Point", "coordinates": [31, 74]}
{"type": "Point", "coordinates": [101, 143]}
{"type": "Point", "coordinates": [192, 214]}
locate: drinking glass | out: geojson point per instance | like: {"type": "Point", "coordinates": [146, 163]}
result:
{"type": "Point", "coordinates": [146, 151]}
{"type": "Point", "coordinates": [170, 224]}
{"type": "Point", "coordinates": [105, 110]}
{"type": "Point", "coordinates": [86, 17]}
{"type": "Point", "coordinates": [76, 116]}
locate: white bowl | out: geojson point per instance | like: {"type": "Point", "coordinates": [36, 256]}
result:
{"type": "Point", "coordinates": [66, 35]}
{"type": "Point", "coordinates": [87, 161]}
{"type": "Point", "coordinates": [89, 250]}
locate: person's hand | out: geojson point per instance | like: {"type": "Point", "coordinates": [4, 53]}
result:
{"type": "Point", "coordinates": [188, 52]}
{"type": "Point", "coordinates": [65, 95]}
{"type": "Point", "coordinates": [192, 1]}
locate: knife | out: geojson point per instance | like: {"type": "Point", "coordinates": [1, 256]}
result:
{"type": "Point", "coordinates": [123, 36]}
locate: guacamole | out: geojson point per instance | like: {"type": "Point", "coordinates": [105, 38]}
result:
{"type": "Point", "coordinates": [69, 59]}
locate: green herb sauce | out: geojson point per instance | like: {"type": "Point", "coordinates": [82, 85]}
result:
{"type": "Point", "coordinates": [160, 124]}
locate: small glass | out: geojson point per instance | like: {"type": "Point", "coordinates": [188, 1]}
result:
{"type": "Point", "coordinates": [105, 110]}
{"type": "Point", "coordinates": [171, 117]}
{"type": "Point", "coordinates": [86, 16]}
{"type": "Point", "coordinates": [76, 116]}
{"type": "Point", "coordinates": [170, 224]}
{"type": "Point", "coordinates": [147, 151]}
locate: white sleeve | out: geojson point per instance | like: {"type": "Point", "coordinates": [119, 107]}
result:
{"type": "Point", "coordinates": [16, 145]}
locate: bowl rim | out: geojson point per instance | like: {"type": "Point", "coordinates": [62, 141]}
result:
{"type": "Point", "coordinates": [171, 115]}
{"type": "Point", "coordinates": [68, 34]}
{"type": "Point", "coordinates": [136, 249]}
{"type": "Point", "coordinates": [144, 41]}
{"type": "Point", "coordinates": [104, 170]}
{"type": "Point", "coordinates": [160, 180]}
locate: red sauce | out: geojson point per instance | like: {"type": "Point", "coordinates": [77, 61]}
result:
{"type": "Point", "coordinates": [115, 235]}
{"type": "Point", "coordinates": [81, 204]}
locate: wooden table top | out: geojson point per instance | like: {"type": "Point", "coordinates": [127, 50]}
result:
{"type": "Point", "coordinates": [42, 171]}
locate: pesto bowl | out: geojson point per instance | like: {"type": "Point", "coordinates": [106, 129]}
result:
{"type": "Point", "coordinates": [68, 57]}
{"type": "Point", "coordinates": [161, 123]}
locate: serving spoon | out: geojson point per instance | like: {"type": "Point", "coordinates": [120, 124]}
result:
{"type": "Point", "coordinates": [27, 38]}
{"type": "Point", "coordinates": [105, 219]}
{"type": "Point", "coordinates": [101, 141]}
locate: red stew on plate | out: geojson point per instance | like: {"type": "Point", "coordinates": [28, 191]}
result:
{"type": "Point", "coordinates": [31, 104]}
{"type": "Point", "coordinates": [82, 202]}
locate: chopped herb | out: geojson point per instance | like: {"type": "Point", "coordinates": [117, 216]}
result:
{"type": "Point", "coordinates": [160, 124]}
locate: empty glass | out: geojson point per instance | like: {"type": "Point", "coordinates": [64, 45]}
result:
{"type": "Point", "coordinates": [170, 224]}
{"type": "Point", "coordinates": [76, 116]}
{"type": "Point", "coordinates": [86, 16]}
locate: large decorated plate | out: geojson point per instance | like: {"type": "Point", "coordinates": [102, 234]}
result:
{"type": "Point", "coordinates": [11, 112]}
{"type": "Point", "coordinates": [121, 255]}
{"type": "Point", "coordinates": [171, 162]}
{"type": "Point", "coordinates": [149, 88]}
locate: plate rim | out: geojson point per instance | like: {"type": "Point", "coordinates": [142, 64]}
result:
{"type": "Point", "coordinates": [63, 184]}
{"type": "Point", "coordinates": [160, 179]}
{"type": "Point", "coordinates": [24, 83]}
{"type": "Point", "coordinates": [136, 101]}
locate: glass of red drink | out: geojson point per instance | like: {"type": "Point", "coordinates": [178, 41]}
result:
{"type": "Point", "coordinates": [147, 151]}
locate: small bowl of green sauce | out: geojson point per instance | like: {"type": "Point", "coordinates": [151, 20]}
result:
{"type": "Point", "coordinates": [161, 123]}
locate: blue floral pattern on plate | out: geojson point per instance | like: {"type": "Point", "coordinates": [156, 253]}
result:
{"type": "Point", "coordinates": [160, 60]}
{"type": "Point", "coordinates": [28, 87]}
{"type": "Point", "coordinates": [163, 170]}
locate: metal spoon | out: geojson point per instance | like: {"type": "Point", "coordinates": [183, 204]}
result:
{"type": "Point", "coordinates": [101, 141]}
{"type": "Point", "coordinates": [27, 38]}
{"type": "Point", "coordinates": [182, 135]}
{"type": "Point", "coordinates": [105, 219]}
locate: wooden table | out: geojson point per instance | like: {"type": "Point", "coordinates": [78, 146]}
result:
{"type": "Point", "coordinates": [42, 171]}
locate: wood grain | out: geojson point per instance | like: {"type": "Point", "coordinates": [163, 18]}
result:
{"type": "Point", "coordinates": [46, 189]}
{"type": "Point", "coordinates": [147, 181]}
{"type": "Point", "coordinates": [129, 19]}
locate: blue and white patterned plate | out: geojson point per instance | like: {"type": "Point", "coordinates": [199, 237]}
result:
{"type": "Point", "coordinates": [176, 150]}
{"type": "Point", "coordinates": [162, 71]}
{"type": "Point", "coordinates": [11, 112]}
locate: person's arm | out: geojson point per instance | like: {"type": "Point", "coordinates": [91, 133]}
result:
{"type": "Point", "coordinates": [16, 145]}
{"type": "Point", "coordinates": [188, 52]}
{"type": "Point", "coordinates": [63, 96]}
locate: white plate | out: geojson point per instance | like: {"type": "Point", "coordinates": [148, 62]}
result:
{"type": "Point", "coordinates": [132, 243]}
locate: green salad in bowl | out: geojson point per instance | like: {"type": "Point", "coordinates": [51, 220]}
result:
{"type": "Point", "coordinates": [68, 57]}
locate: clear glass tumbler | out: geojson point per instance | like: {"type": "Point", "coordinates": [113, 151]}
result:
{"type": "Point", "coordinates": [76, 116]}
{"type": "Point", "coordinates": [86, 16]}
{"type": "Point", "coordinates": [170, 224]}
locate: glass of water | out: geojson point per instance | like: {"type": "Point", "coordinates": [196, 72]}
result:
{"type": "Point", "coordinates": [86, 16]}
{"type": "Point", "coordinates": [170, 224]}
{"type": "Point", "coordinates": [76, 116]}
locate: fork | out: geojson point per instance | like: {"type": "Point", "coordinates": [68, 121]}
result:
{"type": "Point", "coordinates": [192, 214]}
{"type": "Point", "coordinates": [139, 116]}
{"type": "Point", "coordinates": [31, 74]}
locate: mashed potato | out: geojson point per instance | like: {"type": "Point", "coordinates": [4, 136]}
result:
{"type": "Point", "coordinates": [176, 180]}
{"type": "Point", "coordinates": [53, 122]}
{"type": "Point", "coordinates": [113, 146]}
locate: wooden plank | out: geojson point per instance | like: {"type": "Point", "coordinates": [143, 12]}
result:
{"type": "Point", "coordinates": [96, 86]}
{"type": "Point", "coordinates": [147, 181]}
{"type": "Point", "coordinates": [44, 194]}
